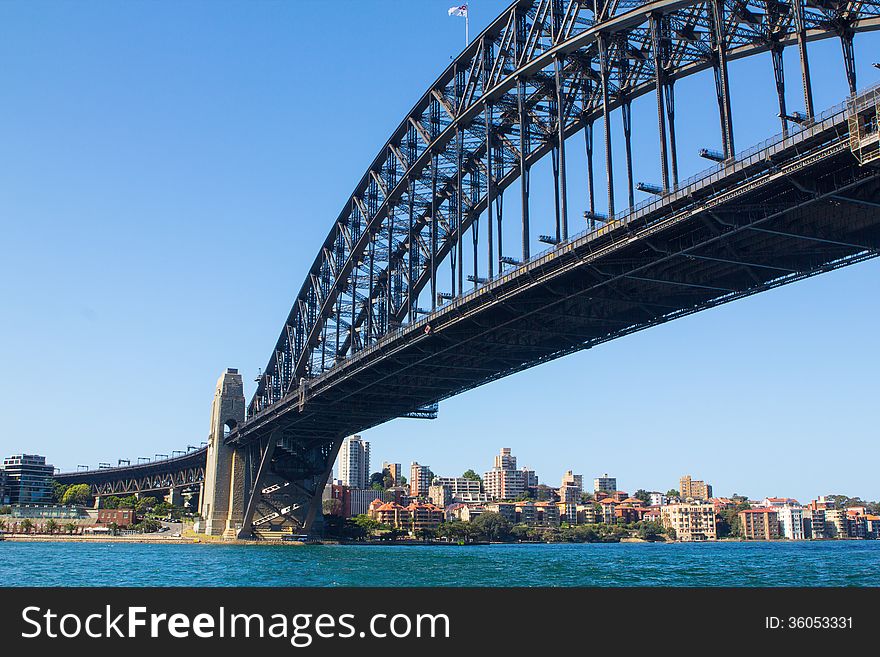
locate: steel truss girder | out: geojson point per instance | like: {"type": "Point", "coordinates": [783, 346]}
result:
{"type": "Point", "coordinates": [430, 181]}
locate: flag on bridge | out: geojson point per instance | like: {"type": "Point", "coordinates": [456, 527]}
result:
{"type": "Point", "coordinates": [462, 10]}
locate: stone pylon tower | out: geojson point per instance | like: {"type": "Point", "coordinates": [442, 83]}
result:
{"type": "Point", "coordinates": [222, 505]}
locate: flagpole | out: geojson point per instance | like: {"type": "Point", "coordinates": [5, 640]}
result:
{"type": "Point", "coordinates": [467, 20]}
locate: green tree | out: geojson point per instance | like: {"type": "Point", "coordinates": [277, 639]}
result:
{"type": "Point", "coordinates": [543, 493]}
{"type": "Point", "coordinates": [519, 532]}
{"type": "Point", "coordinates": [426, 533]}
{"type": "Point", "coordinates": [367, 524]}
{"type": "Point", "coordinates": [2, 525]}
{"type": "Point", "coordinates": [377, 481]}
{"type": "Point", "coordinates": [643, 495]}
{"type": "Point", "coordinates": [145, 504]}
{"type": "Point", "coordinates": [70, 527]}
{"type": "Point", "coordinates": [672, 492]}
{"type": "Point", "coordinates": [111, 502]}
{"type": "Point", "coordinates": [51, 526]}
{"type": "Point", "coordinates": [78, 494]}
{"type": "Point", "coordinates": [471, 476]}
{"type": "Point", "coordinates": [26, 526]}
{"type": "Point", "coordinates": [493, 526]}
{"type": "Point", "coordinates": [58, 491]}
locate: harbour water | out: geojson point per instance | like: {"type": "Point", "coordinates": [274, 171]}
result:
{"type": "Point", "coordinates": [830, 563]}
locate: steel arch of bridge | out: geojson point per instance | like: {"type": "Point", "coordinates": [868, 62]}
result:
{"type": "Point", "coordinates": [541, 72]}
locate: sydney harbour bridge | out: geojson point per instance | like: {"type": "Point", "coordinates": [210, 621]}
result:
{"type": "Point", "coordinates": [418, 293]}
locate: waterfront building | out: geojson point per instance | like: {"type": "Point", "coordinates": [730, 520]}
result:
{"type": "Point", "coordinates": [856, 523]}
{"type": "Point", "coordinates": [604, 484]}
{"type": "Point", "coordinates": [419, 479]}
{"type": "Point", "coordinates": [872, 527]}
{"type": "Point", "coordinates": [28, 479]}
{"type": "Point", "coordinates": [411, 518]}
{"type": "Point", "coordinates": [791, 521]}
{"type": "Point", "coordinates": [692, 521]}
{"type": "Point", "coordinates": [394, 471]}
{"type": "Point", "coordinates": [759, 524]}
{"type": "Point", "coordinates": [4, 495]}
{"type": "Point", "coordinates": [693, 489]}
{"type": "Point", "coordinates": [354, 462]}
{"type": "Point", "coordinates": [122, 518]}
{"type": "Point", "coordinates": [835, 523]}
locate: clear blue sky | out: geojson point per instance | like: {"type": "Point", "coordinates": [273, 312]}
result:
{"type": "Point", "coordinates": [168, 170]}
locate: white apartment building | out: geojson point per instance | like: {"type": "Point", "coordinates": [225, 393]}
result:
{"type": "Point", "coordinates": [354, 462]}
{"type": "Point", "coordinates": [459, 487]}
{"type": "Point", "coordinates": [791, 521]}
{"type": "Point", "coordinates": [658, 499]}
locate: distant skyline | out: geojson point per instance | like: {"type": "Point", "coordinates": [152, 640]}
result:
{"type": "Point", "coordinates": [169, 171]}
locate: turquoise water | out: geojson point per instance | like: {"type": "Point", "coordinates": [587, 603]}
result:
{"type": "Point", "coordinates": [844, 563]}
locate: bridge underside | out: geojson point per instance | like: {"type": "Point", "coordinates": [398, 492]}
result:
{"type": "Point", "coordinates": [762, 225]}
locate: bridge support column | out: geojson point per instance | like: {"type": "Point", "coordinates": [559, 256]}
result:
{"type": "Point", "coordinates": [174, 496]}
{"type": "Point", "coordinates": [222, 504]}
{"type": "Point", "coordinates": [286, 475]}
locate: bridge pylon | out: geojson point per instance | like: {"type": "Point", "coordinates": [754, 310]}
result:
{"type": "Point", "coordinates": [222, 505]}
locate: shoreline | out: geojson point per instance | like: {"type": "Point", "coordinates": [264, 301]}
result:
{"type": "Point", "coordinates": [211, 540]}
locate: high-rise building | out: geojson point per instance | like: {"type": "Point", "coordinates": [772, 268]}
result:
{"type": "Point", "coordinates": [354, 463]}
{"type": "Point", "coordinates": [572, 488]}
{"type": "Point", "coordinates": [4, 495]}
{"type": "Point", "coordinates": [419, 479]}
{"type": "Point", "coordinates": [530, 479]}
{"type": "Point", "coordinates": [28, 479]}
{"type": "Point", "coordinates": [604, 484]}
{"type": "Point", "coordinates": [504, 481]}
{"type": "Point", "coordinates": [504, 484]}
{"type": "Point", "coordinates": [694, 489]}
{"type": "Point", "coordinates": [505, 460]}
{"type": "Point", "coordinates": [394, 471]}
